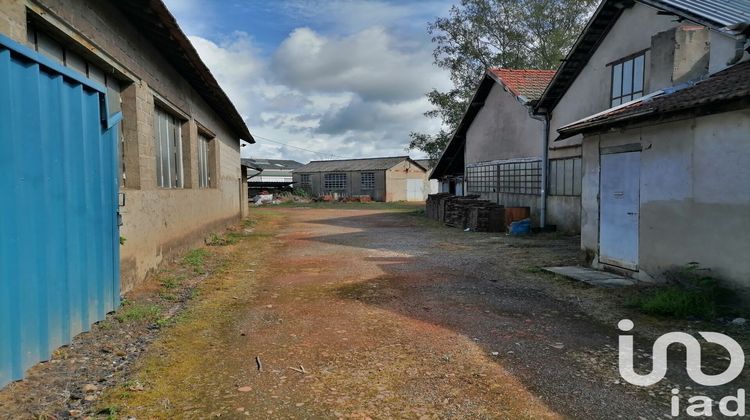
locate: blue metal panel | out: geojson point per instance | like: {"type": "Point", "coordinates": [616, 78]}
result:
{"type": "Point", "coordinates": [59, 239]}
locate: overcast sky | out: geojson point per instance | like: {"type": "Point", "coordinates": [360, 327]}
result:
{"type": "Point", "coordinates": [342, 78]}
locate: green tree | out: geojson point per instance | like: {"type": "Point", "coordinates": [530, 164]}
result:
{"type": "Point", "coordinates": [478, 34]}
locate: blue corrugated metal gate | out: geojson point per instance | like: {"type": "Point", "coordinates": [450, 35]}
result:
{"type": "Point", "coordinates": [59, 240]}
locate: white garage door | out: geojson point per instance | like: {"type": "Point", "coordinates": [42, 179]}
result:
{"type": "Point", "coordinates": [414, 190]}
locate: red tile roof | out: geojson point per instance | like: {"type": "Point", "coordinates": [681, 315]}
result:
{"type": "Point", "coordinates": [528, 83]}
{"type": "Point", "coordinates": [732, 84]}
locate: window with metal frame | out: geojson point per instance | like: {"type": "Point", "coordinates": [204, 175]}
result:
{"type": "Point", "coordinates": [304, 180]}
{"type": "Point", "coordinates": [482, 178]}
{"type": "Point", "coordinates": [521, 177]}
{"type": "Point", "coordinates": [168, 139]}
{"type": "Point", "coordinates": [564, 177]}
{"type": "Point", "coordinates": [628, 79]}
{"type": "Point", "coordinates": [204, 159]}
{"type": "Point", "coordinates": [334, 181]}
{"type": "Point", "coordinates": [368, 180]}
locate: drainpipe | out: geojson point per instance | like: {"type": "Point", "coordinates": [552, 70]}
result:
{"type": "Point", "coordinates": [544, 118]}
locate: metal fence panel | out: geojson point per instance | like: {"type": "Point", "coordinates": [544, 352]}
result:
{"type": "Point", "coordinates": [59, 239]}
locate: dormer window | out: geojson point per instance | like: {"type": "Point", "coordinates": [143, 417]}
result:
{"type": "Point", "coordinates": [628, 79]}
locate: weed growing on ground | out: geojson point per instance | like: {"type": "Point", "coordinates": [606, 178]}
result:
{"type": "Point", "coordinates": [196, 259]}
{"type": "Point", "coordinates": [691, 292]}
{"type": "Point", "coordinates": [533, 270]}
{"type": "Point", "coordinates": [138, 312]}
{"type": "Point", "coordinates": [222, 240]}
{"type": "Point", "coordinates": [105, 325]}
{"type": "Point", "coordinates": [170, 282]}
{"type": "Point", "coordinates": [109, 411]}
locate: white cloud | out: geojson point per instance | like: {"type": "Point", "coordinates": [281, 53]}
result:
{"type": "Point", "coordinates": [352, 95]}
{"type": "Point", "coordinates": [368, 63]}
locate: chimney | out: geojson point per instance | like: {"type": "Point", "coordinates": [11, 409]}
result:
{"type": "Point", "coordinates": [679, 55]}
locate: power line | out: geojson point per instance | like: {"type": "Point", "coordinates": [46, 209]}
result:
{"type": "Point", "coordinates": [300, 148]}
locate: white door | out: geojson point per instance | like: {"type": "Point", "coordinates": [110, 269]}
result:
{"type": "Point", "coordinates": [414, 190]}
{"type": "Point", "coordinates": [619, 205]}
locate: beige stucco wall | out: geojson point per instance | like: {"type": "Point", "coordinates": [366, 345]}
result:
{"type": "Point", "coordinates": [396, 180]}
{"type": "Point", "coordinates": [695, 195]}
{"type": "Point", "coordinates": [157, 222]}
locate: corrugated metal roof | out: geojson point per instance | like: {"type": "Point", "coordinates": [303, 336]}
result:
{"type": "Point", "coordinates": [730, 85]}
{"type": "Point", "coordinates": [156, 23]}
{"type": "Point", "coordinates": [719, 12]}
{"type": "Point", "coordinates": [271, 164]}
{"type": "Point", "coordinates": [425, 163]}
{"type": "Point", "coordinates": [368, 164]}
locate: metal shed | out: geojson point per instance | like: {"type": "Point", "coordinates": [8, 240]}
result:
{"type": "Point", "coordinates": [59, 254]}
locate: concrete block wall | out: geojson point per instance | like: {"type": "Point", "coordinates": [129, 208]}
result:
{"type": "Point", "coordinates": [158, 222]}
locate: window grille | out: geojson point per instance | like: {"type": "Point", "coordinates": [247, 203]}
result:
{"type": "Point", "coordinates": [304, 180]}
{"type": "Point", "coordinates": [204, 175]}
{"type": "Point", "coordinates": [368, 180]}
{"type": "Point", "coordinates": [508, 177]}
{"type": "Point", "coordinates": [336, 181]}
{"type": "Point", "coordinates": [168, 150]}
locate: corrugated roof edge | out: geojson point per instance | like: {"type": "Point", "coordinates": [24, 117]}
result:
{"type": "Point", "coordinates": [169, 21]}
{"type": "Point", "coordinates": [363, 159]}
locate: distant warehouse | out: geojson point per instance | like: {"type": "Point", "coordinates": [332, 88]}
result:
{"type": "Point", "coordinates": [383, 179]}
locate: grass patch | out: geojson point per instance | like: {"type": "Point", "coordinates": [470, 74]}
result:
{"type": "Point", "coordinates": [170, 282]}
{"type": "Point", "coordinates": [691, 292]}
{"type": "Point", "coordinates": [196, 258]}
{"type": "Point", "coordinates": [222, 240]}
{"type": "Point", "coordinates": [105, 325]}
{"type": "Point", "coordinates": [138, 312]}
{"type": "Point", "coordinates": [109, 411]}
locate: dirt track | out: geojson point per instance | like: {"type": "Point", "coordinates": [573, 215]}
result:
{"type": "Point", "coordinates": [388, 315]}
{"type": "Point", "coordinates": [376, 313]}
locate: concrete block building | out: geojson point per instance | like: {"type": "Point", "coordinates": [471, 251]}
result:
{"type": "Point", "coordinates": [102, 99]}
{"type": "Point", "coordinates": [655, 94]}
{"type": "Point", "coordinates": [179, 157]}
{"type": "Point", "coordinates": [498, 151]}
{"type": "Point", "coordinates": [383, 179]}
